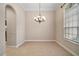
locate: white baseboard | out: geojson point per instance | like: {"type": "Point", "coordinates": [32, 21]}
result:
{"type": "Point", "coordinates": [67, 49]}
{"type": "Point", "coordinates": [40, 40]}
{"type": "Point", "coordinates": [11, 46]}
{"type": "Point", "coordinates": [16, 45]}
{"type": "Point", "coordinates": [19, 44]}
{"type": "Point", "coordinates": [32, 41]}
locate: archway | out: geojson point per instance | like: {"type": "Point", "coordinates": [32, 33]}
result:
{"type": "Point", "coordinates": [16, 25]}
{"type": "Point", "coordinates": [10, 24]}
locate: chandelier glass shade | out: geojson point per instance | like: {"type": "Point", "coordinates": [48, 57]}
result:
{"type": "Point", "coordinates": [39, 18]}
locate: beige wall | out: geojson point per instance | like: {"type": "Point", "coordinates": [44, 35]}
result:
{"type": "Point", "coordinates": [44, 31]}
{"type": "Point", "coordinates": [11, 26]}
{"type": "Point", "coordinates": [20, 25]}
{"type": "Point", "coordinates": [60, 32]}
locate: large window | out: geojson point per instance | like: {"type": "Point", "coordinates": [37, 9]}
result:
{"type": "Point", "coordinates": [71, 22]}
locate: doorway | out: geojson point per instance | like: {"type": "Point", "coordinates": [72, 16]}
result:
{"type": "Point", "coordinates": [10, 26]}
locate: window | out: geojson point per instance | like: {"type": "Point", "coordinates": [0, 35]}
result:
{"type": "Point", "coordinates": [71, 22]}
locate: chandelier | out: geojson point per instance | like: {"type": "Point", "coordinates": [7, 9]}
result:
{"type": "Point", "coordinates": [39, 18]}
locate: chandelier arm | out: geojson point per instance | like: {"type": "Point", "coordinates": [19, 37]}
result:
{"type": "Point", "coordinates": [39, 18]}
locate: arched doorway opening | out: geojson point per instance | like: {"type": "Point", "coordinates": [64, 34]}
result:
{"type": "Point", "coordinates": [10, 26]}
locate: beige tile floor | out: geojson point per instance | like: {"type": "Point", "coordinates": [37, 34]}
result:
{"type": "Point", "coordinates": [37, 49]}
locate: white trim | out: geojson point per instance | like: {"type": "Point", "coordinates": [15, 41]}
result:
{"type": "Point", "coordinates": [40, 40]}
{"type": "Point", "coordinates": [11, 46]}
{"type": "Point", "coordinates": [31, 41]}
{"type": "Point", "coordinates": [72, 41]}
{"type": "Point", "coordinates": [33, 10]}
{"type": "Point", "coordinates": [16, 45]}
{"type": "Point", "coordinates": [67, 49]}
{"type": "Point", "coordinates": [19, 44]}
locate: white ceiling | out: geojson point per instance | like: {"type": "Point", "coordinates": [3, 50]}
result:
{"type": "Point", "coordinates": [35, 6]}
